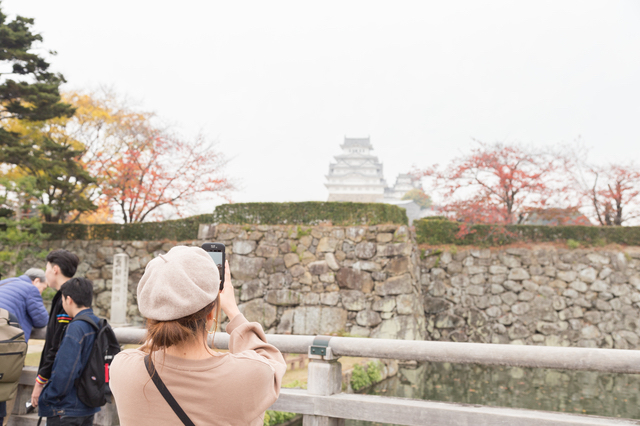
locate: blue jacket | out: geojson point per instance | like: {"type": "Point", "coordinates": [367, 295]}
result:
{"type": "Point", "coordinates": [20, 297]}
{"type": "Point", "coordinates": [59, 397]}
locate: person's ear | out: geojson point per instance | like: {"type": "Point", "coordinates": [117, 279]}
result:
{"type": "Point", "coordinates": [210, 316]}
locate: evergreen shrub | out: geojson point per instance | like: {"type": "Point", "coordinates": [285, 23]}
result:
{"type": "Point", "coordinates": [442, 231]}
{"type": "Point", "coordinates": [310, 213]}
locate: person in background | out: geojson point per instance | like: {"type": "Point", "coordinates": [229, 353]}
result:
{"type": "Point", "coordinates": [59, 401]}
{"type": "Point", "coordinates": [21, 296]}
{"type": "Point", "coordinates": [180, 296]}
{"type": "Point", "coordinates": [61, 267]}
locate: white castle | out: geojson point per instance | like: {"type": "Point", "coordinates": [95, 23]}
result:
{"type": "Point", "coordinates": [357, 176]}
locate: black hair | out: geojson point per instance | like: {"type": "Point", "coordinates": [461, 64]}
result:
{"type": "Point", "coordinates": [80, 290]}
{"type": "Point", "coordinates": [66, 261]}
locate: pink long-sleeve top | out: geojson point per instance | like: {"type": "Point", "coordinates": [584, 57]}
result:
{"type": "Point", "coordinates": [233, 388]}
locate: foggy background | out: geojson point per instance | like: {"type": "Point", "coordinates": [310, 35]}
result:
{"type": "Point", "coordinates": [279, 84]}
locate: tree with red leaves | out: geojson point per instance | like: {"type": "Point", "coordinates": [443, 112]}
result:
{"type": "Point", "coordinates": [156, 170]}
{"type": "Point", "coordinates": [495, 183]}
{"type": "Point", "coordinates": [144, 170]}
{"type": "Point", "coordinates": [610, 193]}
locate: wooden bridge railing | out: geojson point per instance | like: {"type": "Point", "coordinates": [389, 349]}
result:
{"type": "Point", "coordinates": [323, 404]}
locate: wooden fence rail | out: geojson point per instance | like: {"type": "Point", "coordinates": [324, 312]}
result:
{"type": "Point", "coordinates": [323, 404]}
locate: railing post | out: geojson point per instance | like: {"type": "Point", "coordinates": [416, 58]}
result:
{"type": "Point", "coordinates": [324, 378]}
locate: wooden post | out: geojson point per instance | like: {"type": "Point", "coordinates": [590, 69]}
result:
{"type": "Point", "coordinates": [324, 378]}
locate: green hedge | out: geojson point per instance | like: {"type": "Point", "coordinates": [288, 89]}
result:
{"type": "Point", "coordinates": [174, 230]}
{"type": "Point", "coordinates": [442, 231]}
{"type": "Point", "coordinates": [310, 213]}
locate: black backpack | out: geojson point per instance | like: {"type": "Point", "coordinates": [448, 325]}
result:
{"type": "Point", "coordinates": [93, 384]}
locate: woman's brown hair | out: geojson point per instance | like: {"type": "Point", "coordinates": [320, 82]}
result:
{"type": "Point", "coordinates": [164, 334]}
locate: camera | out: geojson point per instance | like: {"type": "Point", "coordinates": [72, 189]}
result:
{"type": "Point", "coordinates": [30, 408]}
{"type": "Point", "coordinates": [217, 253]}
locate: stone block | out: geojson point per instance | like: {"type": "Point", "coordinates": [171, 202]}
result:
{"type": "Point", "coordinates": [406, 327]}
{"type": "Point", "coordinates": [389, 250]}
{"type": "Point", "coordinates": [283, 297]}
{"type": "Point", "coordinates": [406, 304]}
{"type": "Point", "coordinates": [368, 318]}
{"type": "Point", "coordinates": [518, 331]}
{"type": "Point", "coordinates": [365, 250]}
{"type": "Point", "coordinates": [460, 281]}
{"type": "Point", "coordinates": [588, 275]}
{"type": "Point", "coordinates": [433, 305]}
{"type": "Point", "coordinates": [354, 280]}
{"type": "Point", "coordinates": [259, 311]}
{"type": "Point", "coordinates": [243, 247]}
{"type": "Point", "coordinates": [368, 266]}
{"type": "Point", "coordinates": [398, 266]}
{"type": "Point", "coordinates": [590, 332]}
{"type": "Point", "coordinates": [512, 286]}
{"type": "Point", "coordinates": [518, 274]}
{"type": "Point", "coordinates": [497, 289]}
{"type": "Point", "coordinates": [245, 268]}
{"type": "Point", "coordinates": [331, 261]}
{"type": "Point", "coordinates": [318, 267]}
{"type": "Point", "coordinates": [311, 298]}
{"type": "Point", "coordinates": [526, 296]}
{"type": "Point", "coordinates": [291, 259]}
{"type": "Point", "coordinates": [384, 237]}
{"type": "Point", "coordinates": [509, 298]}
{"type": "Point", "coordinates": [448, 320]}
{"type": "Point", "coordinates": [520, 308]}
{"type": "Point", "coordinates": [567, 276]}
{"type": "Point", "coordinates": [473, 270]}
{"type": "Point", "coordinates": [319, 320]}
{"type": "Point", "coordinates": [383, 305]}
{"type": "Point", "coordinates": [395, 285]}
{"type": "Point", "coordinates": [330, 299]}
{"type": "Point", "coordinates": [579, 286]}
{"type": "Point", "coordinates": [327, 244]}
{"type": "Point", "coordinates": [267, 251]}
{"type": "Point", "coordinates": [494, 311]}
{"type": "Point", "coordinates": [251, 290]}
{"type": "Point", "coordinates": [498, 269]}
{"type": "Point", "coordinates": [354, 300]}
{"type": "Point", "coordinates": [475, 290]}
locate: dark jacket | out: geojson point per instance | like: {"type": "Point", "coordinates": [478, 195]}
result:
{"type": "Point", "coordinates": [58, 321]}
{"type": "Point", "coordinates": [59, 397]}
{"type": "Point", "coordinates": [20, 297]}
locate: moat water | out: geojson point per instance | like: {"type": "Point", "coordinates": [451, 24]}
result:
{"type": "Point", "coordinates": [579, 392]}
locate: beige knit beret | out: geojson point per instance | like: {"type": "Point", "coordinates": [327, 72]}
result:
{"type": "Point", "coordinates": [178, 284]}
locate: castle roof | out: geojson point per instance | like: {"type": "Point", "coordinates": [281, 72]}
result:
{"type": "Point", "coordinates": [353, 142]}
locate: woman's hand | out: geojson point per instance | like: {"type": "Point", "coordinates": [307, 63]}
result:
{"type": "Point", "coordinates": [227, 295]}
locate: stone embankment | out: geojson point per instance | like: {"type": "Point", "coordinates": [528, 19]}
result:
{"type": "Point", "coordinates": [552, 297]}
{"type": "Point", "coordinates": [374, 281]}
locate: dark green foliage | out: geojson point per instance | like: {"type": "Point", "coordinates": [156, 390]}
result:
{"type": "Point", "coordinates": [38, 98]}
{"type": "Point", "coordinates": [362, 378]}
{"type": "Point", "coordinates": [174, 230]}
{"type": "Point", "coordinates": [310, 213]}
{"type": "Point", "coordinates": [442, 231]}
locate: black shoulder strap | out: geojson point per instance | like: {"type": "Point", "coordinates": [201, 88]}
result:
{"type": "Point", "coordinates": [87, 320]}
{"type": "Point", "coordinates": [166, 394]}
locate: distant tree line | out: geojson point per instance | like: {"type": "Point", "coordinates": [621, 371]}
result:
{"type": "Point", "coordinates": [503, 183]}
{"type": "Point", "coordinates": [85, 157]}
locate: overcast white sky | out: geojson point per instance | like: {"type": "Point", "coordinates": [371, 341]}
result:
{"type": "Point", "coordinates": [279, 83]}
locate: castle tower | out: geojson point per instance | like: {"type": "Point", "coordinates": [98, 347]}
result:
{"type": "Point", "coordinates": [357, 174]}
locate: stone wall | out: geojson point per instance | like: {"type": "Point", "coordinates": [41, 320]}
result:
{"type": "Point", "coordinates": [374, 281]}
{"type": "Point", "coordinates": [358, 281]}
{"type": "Point", "coordinates": [551, 297]}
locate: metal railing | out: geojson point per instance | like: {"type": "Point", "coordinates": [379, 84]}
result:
{"type": "Point", "coordinates": [322, 405]}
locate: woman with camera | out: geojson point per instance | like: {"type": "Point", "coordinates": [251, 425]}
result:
{"type": "Point", "coordinates": [175, 377]}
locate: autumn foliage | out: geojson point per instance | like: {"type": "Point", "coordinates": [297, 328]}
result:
{"type": "Point", "coordinates": [144, 170]}
{"type": "Point", "coordinates": [494, 183]}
